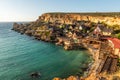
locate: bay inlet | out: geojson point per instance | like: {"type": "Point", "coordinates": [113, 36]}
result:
{"type": "Point", "coordinates": [20, 55]}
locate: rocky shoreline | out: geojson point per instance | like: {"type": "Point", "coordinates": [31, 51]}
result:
{"type": "Point", "coordinates": [73, 34]}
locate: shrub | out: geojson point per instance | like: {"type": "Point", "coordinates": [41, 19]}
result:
{"type": "Point", "coordinates": [118, 35]}
{"type": "Point", "coordinates": [119, 62]}
{"type": "Point", "coordinates": [116, 27]}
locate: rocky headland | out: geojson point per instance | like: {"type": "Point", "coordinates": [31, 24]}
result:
{"type": "Point", "coordinates": [90, 31]}
{"type": "Point", "coordinates": [70, 18]}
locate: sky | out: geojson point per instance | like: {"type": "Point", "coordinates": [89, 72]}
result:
{"type": "Point", "coordinates": [29, 10]}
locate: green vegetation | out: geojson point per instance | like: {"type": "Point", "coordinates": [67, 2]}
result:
{"type": "Point", "coordinates": [119, 62]}
{"type": "Point", "coordinates": [62, 26]}
{"type": "Point", "coordinates": [118, 36]}
{"type": "Point", "coordinates": [92, 29]}
{"type": "Point", "coordinates": [116, 33]}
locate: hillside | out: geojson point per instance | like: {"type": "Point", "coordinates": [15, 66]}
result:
{"type": "Point", "coordinates": [110, 19]}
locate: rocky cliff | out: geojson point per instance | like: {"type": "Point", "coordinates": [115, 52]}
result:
{"type": "Point", "coordinates": [70, 18]}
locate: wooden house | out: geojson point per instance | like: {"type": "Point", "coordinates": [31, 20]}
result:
{"type": "Point", "coordinates": [102, 30]}
{"type": "Point", "coordinates": [115, 44]}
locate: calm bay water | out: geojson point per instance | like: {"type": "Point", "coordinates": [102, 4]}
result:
{"type": "Point", "coordinates": [21, 55]}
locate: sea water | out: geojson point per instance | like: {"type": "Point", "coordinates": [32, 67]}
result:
{"type": "Point", "coordinates": [21, 55]}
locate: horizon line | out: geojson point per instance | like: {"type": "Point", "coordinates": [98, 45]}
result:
{"type": "Point", "coordinates": [59, 12]}
{"type": "Point", "coordinates": [16, 21]}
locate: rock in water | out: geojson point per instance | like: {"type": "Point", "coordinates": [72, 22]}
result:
{"type": "Point", "coordinates": [35, 74]}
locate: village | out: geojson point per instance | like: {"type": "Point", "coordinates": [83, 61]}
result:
{"type": "Point", "coordinates": [103, 47]}
{"type": "Point", "coordinates": [97, 38]}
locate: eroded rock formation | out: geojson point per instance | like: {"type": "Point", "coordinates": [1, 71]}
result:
{"type": "Point", "coordinates": [72, 17]}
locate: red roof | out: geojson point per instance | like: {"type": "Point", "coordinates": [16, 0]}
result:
{"type": "Point", "coordinates": [115, 41]}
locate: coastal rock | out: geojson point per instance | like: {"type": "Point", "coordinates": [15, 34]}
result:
{"type": "Point", "coordinates": [15, 26]}
{"type": "Point", "coordinates": [29, 32]}
{"type": "Point", "coordinates": [56, 79]}
{"type": "Point", "coordinates": [69, 78]}
{"type": "Point", "coordinates": [35, 74]}
{"type": "Point", "coordinates": [116, 78]}
{"type": "Point", "coordinates": [21, 28]}
{"type": "Point", "coordinates": [72, 78]}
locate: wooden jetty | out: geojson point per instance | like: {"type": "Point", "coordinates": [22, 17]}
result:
{"type": "Point", "coordinates": [109, 65]}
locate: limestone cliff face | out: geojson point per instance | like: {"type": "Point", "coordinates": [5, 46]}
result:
{"type": "Point", "coordinates": [72, 17]}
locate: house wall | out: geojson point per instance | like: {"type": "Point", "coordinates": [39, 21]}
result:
{"type": "Point", "coordinates": [106, 33]}
{"type": "Point", "coordinates": [117, 52]}
{"type": "Point", "coordinates": [111, 44]}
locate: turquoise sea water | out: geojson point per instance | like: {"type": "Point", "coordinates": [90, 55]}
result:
{"type": "Point", "coordinates": [21, 55]}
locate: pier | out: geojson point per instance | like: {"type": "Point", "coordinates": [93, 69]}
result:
{"type": "Point", "coordinates": [105, 60]}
